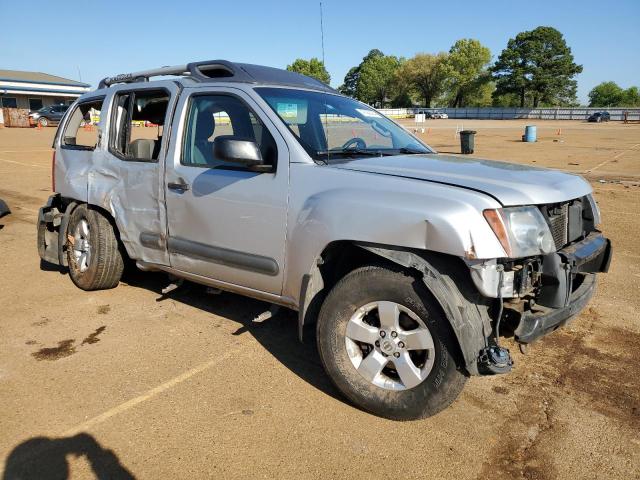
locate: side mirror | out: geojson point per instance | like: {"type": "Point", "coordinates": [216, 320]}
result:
{"type": "Point", "coordinates": [237, 150]}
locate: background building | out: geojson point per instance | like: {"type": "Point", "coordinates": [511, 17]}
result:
{"type": "Point", "coordinates": [34, 90]}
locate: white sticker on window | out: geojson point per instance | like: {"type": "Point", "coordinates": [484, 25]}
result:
{"type": "Point", "coordinates": [368, 113]}
{"type": "Point", "coordinates": [288, 111]}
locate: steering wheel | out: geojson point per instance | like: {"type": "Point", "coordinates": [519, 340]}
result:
{"type": "Point", "coordinates": [356, 142]}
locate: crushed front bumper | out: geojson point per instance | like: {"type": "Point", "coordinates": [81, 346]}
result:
{"type": "Point", "coordinates": [569, 282]}
{"type": "Point", "coordinates": [534, 325]}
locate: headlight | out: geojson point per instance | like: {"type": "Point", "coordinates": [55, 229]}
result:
{"type": "Point", "coordinates": [34, 115]}
{"type": "Point", "coordinates": [522, 231]}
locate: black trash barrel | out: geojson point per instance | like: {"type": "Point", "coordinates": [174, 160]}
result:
{"type": "Point", "coordinates": [467, 141]}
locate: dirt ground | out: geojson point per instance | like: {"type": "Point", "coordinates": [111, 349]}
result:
{"type": "Point", "coordinates": [123, 383]}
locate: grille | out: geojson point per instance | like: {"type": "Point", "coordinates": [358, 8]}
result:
{"type": "Point", "coordinates": [558, 218]}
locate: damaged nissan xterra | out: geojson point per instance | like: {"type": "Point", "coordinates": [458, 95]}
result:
{"type": "Point", "coordinates": [410, 264]}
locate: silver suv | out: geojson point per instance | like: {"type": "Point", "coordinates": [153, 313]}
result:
{"type": "Point", "coordinates": [410, 264]}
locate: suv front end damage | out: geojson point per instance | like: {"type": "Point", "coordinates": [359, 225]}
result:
{"type": "Point", "coordinates": [543, 292]}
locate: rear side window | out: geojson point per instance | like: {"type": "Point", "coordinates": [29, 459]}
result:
{"type": "Point", "coordinates": [211, 116]}
{"type": "Point", "coordinates": [80, 132]}
{"type": "Point", "coordinates": [137, 125]}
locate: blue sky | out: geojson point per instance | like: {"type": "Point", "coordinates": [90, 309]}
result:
{"type": "Point", "coordinates": [109, 37]}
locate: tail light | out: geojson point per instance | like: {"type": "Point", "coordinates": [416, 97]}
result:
{"type": "Point", "coordinates": [53, 172]}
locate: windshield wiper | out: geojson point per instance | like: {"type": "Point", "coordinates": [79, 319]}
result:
{"type": "Point", "coordinates": [411, 151]}
{"type": "Point", "coordinates": [354, 151]}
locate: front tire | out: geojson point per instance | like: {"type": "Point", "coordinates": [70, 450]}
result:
{"type": "Point", "coordinates": [93, 250]}
{"type": "Point", "coordinates": [43, 122]}
{"type": "Point", "coordinates": [387, 346]}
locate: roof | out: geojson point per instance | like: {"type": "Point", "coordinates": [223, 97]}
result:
{"type": "Point", "coordinates": [222, 71]}
{"type": "Point", "coordinates": [38, 77]}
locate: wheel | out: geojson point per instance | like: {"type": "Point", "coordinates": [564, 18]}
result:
{"type": "Point", "coordinates": [93, 250]}
{"type": "Point", "coordinates": [387, 346]}
{"type": "Point", "coordinates": [43, 121]}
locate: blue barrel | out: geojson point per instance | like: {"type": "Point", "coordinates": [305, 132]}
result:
{"type": "Point", "coordinates": [530, 134]}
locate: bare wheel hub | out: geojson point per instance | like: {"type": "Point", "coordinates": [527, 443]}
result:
{"type": "Point", "coordinates": [389, 345]}
{"type": "Point", "coordinates": [81, 246]}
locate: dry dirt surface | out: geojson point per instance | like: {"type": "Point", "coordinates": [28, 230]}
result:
{"type": "Point", "coordinates": [125, 383]}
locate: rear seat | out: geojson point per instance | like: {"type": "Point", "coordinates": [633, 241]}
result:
{"type": "Point", "coordinates": [144, 148]}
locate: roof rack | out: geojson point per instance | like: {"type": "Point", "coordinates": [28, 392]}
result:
{"type": "Point", "coordinates": [221, 70]}
{"type": "Point", "coordinates": [143, 76]}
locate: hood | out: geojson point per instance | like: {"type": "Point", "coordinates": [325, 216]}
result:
{"type": "Point", "coordinates": [509, 183]}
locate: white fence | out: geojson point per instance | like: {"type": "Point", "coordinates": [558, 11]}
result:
{"type": "Point", "coordinates": [495, 113]}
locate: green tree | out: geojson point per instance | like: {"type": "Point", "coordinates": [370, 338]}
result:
{"type": "Point", "coordinates": [466, 70]}
{"type": "Point", "coordinates": [480, 94]}
{"type": "Point", "coordinates": [631, 97]}
{"type": "Point", "coordinates": [350, 82]}
{"type": "Point", "coordinates": [537, 64]}
{"type": "Point", "coordinates": [377, 79]}
{"type": "Point", "coordinates": [606, 94]}
{"type": "Point", "coordinates": [312, 68]}
{"type": "Point", "coordinates": [351, 79]}
{"type": "Point", "coordinates": [425, 75]}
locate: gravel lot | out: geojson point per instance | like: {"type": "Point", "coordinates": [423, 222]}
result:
{"type": "Point", "coordinates": [124, 383]}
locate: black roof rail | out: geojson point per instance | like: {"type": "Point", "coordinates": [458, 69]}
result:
{"type": "Point", "coordinates": [142, 76]}
{"type": "Point", "coordinates": [224, 71]}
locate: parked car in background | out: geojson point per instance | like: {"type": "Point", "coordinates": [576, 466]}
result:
{"type": "Point", "coordinates": [599, 117]}
{"type": "Point", "coordinates": [409, 264]}
{"type": "Point", "coordinates": [438, 114]}
{"type": "Point", "coordinates": [48, 115]}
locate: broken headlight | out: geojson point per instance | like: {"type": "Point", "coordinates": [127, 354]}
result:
{"type": "Point", "coordinates": [522, 231]}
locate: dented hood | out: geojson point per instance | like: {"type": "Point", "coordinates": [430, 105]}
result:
{"type": "Point", "coordinates": [509, 183]}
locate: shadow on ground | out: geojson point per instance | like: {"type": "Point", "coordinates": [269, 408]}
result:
{"type": "Point", "coordinates": [279, 335]}
{"type": "Point", "coordinates": [45, 458]}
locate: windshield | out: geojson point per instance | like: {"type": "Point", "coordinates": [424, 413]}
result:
{"type": "Point", "coordinates": [335, 127]}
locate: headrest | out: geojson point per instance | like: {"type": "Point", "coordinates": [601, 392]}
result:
{"type": "Point", "coordinates": [153, 112]}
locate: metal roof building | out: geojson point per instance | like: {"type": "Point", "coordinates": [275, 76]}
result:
{"type": "Point", "coordinates": [34, 90]}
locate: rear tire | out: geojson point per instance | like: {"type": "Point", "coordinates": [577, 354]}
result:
{"type": "Point", "coordinates": [93, 250]}
{"type": "Point", "coordinates": [434, 379]}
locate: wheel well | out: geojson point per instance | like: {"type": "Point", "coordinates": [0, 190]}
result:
{"type": "Point", "coordinates": [340, 258]}
{"type": "Point", "coordinates": [67, 202]}
{"type": "Point", "coordinates": [336, 260]}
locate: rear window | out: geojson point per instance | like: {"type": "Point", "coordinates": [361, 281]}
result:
{"type": "Point", "coordinates": [80, 132]}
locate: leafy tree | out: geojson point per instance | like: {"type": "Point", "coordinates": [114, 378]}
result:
{"type": "Point", "coordinates": [631, 97]}
{"type": "Point", "coordinates": [402, 100]}
{"type": "Point", "coordinates": [425, 75]}
{"type": "Point", "coordinates": [312, 68]}
{"type": "Point", "coordinates": [466, 69]}
{"type": "Point", "coordinates": [610, 94]}
{"type": "Point", "coordinates": [351, 79]}
{"type": "Point", "coordinates": [376, 80]}
{"type": "Point", "coordinates": [480, 94]}
{"type": "Point", "coordinates": [350, 82]}
{"type": "Point", "coordinates": [605, 94]}
{"type": "Point", "coordinates": [540, 64]}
